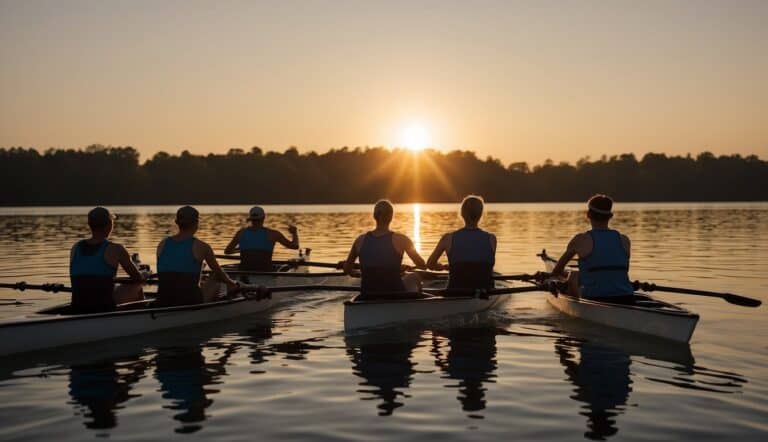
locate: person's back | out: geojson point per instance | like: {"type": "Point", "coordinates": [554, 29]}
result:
{"type": "Point", "coordinates": [603, 255]}
{"type": "Point", "coordinates": [92, 277]}
{"type": "Point", "coordinates": [256, 249]}
{"type": "Point", "coordinates": [178, 273]}
{"type": "Point", "coordinates": [471, 258]}
{"type": "Point", "coordinates": [180, 262]}
{"type": "Point", "coordinates": [380, 263]}
{"type": "Point", "coordinates": [381, 256]}
{"type": "Point", "coordinates": [93, 265]}
{"type": "Point", "coordinates": [471, 251]}
{"type": "Point", "coordinates": [256, 243]}
{"type": "Point", "coordinates": [604, 271]}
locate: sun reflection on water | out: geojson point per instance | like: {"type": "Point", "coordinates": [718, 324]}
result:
{"type": "Point", "coordinates": [417, 226]}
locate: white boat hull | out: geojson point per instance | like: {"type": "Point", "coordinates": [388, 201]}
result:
{"type": "Point", "coordinates": [378, 313]}
{"type": "Point", "coordinates": [656, 318]}
{"type": "Point", "coordinates": [675, 325]}
{"type": "Point", "coordinates": [38, 331]}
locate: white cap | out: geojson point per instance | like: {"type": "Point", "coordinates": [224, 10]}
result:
{"type": "Point", "coordinates": [256, 212]}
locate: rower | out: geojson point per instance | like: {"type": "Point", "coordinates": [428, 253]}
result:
{"type": "Point", "coordinates": [381, 256]}
{"type": "Point", "coordinates": [471, 250]}
{"type": "Point", "coordinates": [93, 265]}
{"type": "Point", "coordinates": [256, 242]}
{"type": "Point", "coordinates": [603, 258]}
{"type": "Point", "coordinates": [180, 262]}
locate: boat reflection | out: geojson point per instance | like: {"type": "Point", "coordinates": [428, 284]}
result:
{"type": "Point", "coordinates": [604, 370]}
{"type": "Point", "coordinates": [601, 378]}
{"type": "Point", "coordinates": [384, 361]}
{"type": "Point", "coordinates": [470, 358]}
{"type": "Point", "coordinates": [99, 389]}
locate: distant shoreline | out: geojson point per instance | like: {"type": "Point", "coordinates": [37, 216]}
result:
{"type": "Point", "coordinates": [115, 176]}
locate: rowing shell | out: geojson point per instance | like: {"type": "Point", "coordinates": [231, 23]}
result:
{"type": "Point", "coordinates": [647, 315]}
{"type": "Point", "coordinates": [55, 327]}
{"type": "Point", "coordinates": [381, 312]}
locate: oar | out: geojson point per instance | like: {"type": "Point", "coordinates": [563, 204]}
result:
{"type": "Point", "coordinates": [289, 274]}
{"type": "Point", "coordinates": [728, 297]}
{"type": "Point", "coordinates": [50, 287]}
{"type": "Point", "coordinates": [538, 276]}
{"type": "Point", "coordinates": [296, 263]}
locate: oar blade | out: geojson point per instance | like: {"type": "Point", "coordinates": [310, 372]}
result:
{"type": "Point", "coordinates": [741, 300]}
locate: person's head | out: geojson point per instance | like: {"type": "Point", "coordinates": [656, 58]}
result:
{"type": "Point", "coordinates": [187, 218]}
{"type": "Point", "coordinates": [599, 208]}
{"type": "Point", "coordinates": [472, 209]}
{"type": "Point", "coordinates": [383, 211]}
{"type": "Point", "coordinates": [101, 220]}
{"type": "Point", "coordinates": [256, 215]}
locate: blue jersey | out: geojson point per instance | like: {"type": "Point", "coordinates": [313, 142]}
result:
{"type": "Point", "coordinates": [605, 272]}
{"type": "Point", "coordinates": [178, 274]}
{"type": "Point", "coordinates": [471, 259]}
{"type": "Point", "coordinates": [92, 278]}
{"type": "Point", "coordinates": [380, 265]}
{"type": "Point", "coordinates": [256, 249]}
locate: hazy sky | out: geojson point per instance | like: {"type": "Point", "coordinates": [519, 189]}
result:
{"type": "Point", "coordinates": [522, 81]}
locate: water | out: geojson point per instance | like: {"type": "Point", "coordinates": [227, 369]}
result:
{"type": "Point", "coordinates": [524, 371]}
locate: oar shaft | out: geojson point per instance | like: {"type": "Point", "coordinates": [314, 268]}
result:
{"type": "Point", "coordinates": [729, 297]}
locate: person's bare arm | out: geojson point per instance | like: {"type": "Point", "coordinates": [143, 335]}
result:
{"type": "Point", "coordinates": [349, 264]}
{"type": "Point", "coordinates": [410, 250]}
{"type": "Point", "coordinates": [234, 244]}
{"type": "Point", "coordinates": [440, 248]}
{"type": "Point", "coordinates": [210, 258]}
{"type": "Point", "coordinates": [280, 238]}
{"type": "Point", "coordinates": [124, 259]}
{"type": "Point", "coordinates": [570, 252]}
{"type": "Point", "coordinates": [627, 244]}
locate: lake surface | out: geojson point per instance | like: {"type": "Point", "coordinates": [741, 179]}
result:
{"type": "Point", "coordinates": [524, 371]}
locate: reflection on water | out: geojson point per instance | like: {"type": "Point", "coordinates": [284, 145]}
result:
{"type": "Point", "coordinates": [601, 378]}
{"type": "Point", "coordinates": [470, 358]}
{"type": "Point", "coordinates": [99, 389]}
{"type": "Point", "coordinates": [292, 373]}
{"type": "Point", "coordinates": [386, 367]}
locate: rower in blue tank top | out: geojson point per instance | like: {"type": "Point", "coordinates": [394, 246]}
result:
{"type": "Point", "coordinates": [471, 251]}
{"type": "Point", "coordinates": [93, 266]}
{"type": "Point", "coordinates": [603, 258]}
{"type": "Point", "coordinates": [256, 243]}
{"type": "Point", "coordinates": [381, 255]}
{"type": "Point", "coordinates": [180, 262]}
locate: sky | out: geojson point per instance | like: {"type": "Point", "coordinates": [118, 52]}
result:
{"type": "Point", "coordinates": [517, 80]}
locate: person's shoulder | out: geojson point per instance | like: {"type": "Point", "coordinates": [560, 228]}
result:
{"type": "Point", "coordinates": [581, 237]}
{"type": "Point", "coordinates": [116, 246]}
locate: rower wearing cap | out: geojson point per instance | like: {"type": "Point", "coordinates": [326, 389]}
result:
{"type": "Point", "coordinates": [603, 257]}
{"type": "Point", "coordinates": [471, 250]}
{"type": "Point", "coordinates": [180, 262]}
{"type": "Point", "coordinates": [256, 243]}
{"type": "Point", "coordinates": [381, 256]}
{"type": "Point", "coordinates": [93, 265]}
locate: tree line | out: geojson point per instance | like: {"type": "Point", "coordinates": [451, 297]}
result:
{"type": "Point", "coordinates": [114, 175]}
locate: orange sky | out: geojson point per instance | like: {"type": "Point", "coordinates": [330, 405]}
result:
{"type": "Point", "coordinates": [523, 81]}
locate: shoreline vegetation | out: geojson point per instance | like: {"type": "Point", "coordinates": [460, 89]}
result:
{"type": "Point", "coordinates": [105, 175]}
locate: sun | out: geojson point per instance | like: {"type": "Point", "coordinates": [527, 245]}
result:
{"type": "Point", "coordinates": [415, 137]}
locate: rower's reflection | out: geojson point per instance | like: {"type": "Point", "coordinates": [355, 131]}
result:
{"type": "Point", "coordinates": [470, 359]}
{"type": "Point", "coordinates": [99, 389]}
{"type": "Point", "coordinates": [385, 365]}
{"type": "Point", "coordinates": [186, 378]}
{"type": "Point", "coordinates": [601, 378]}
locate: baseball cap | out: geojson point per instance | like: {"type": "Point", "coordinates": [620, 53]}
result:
{"type": "Point", "coordinates": [256, 212]}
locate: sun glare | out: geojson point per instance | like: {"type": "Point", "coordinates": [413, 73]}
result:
{"type": "Point", "coordinates": [415, 138]}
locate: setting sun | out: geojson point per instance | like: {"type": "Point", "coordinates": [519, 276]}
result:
{"type": "Point", "coordinates": [415, 137]}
